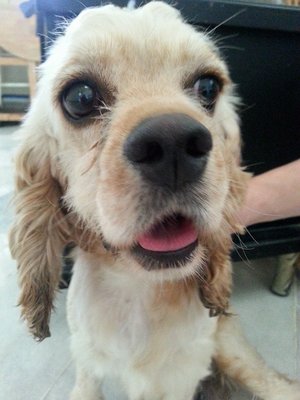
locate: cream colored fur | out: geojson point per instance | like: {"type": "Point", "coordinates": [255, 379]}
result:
{"type": "Point", "coordinates": [151, 331]}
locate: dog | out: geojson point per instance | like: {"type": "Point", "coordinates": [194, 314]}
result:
{"type": "Point", "coordinates": [131, 150]}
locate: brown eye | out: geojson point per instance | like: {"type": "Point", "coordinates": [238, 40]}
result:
{"type": "Point", "coordinates": [79, 100]}
{"type": "Point", "coordinates": [207, 88]}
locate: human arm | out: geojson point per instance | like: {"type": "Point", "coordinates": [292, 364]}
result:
{"type": "Point", "coordinates": [272, 195]}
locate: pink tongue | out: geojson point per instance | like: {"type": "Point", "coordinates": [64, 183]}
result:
{"type": "Point", "coordinates": [170, 235]}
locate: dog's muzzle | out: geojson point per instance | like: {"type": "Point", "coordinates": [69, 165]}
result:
{"type": "Point", "coordinates": [169, 150]}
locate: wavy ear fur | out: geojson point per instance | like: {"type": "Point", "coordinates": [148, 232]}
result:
{"type": "Point", "coordinates": [39, 231]}
{"type": "Point", "coordinates": [215, 289]}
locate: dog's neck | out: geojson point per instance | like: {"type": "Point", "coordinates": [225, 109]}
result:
{"type": "Point", "coordinates": [122, 290]}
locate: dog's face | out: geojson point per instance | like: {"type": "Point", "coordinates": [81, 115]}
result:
{"type": "Point", "coordinates": [139, 100]}
{"type": "Point", "coordinates": [135, 118]}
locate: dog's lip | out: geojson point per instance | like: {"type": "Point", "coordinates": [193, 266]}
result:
{"type": "Point", "coordinates": [170, 234]}
{"type": "Point", "coordinates": [157, 260]}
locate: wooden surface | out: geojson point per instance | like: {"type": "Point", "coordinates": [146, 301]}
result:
{"type": "Point", "coordinates": [17, 33]}
{"type": "Point", "coordinates": [11, 116]}
{"type": "Point", "coordinates": [17, 37]}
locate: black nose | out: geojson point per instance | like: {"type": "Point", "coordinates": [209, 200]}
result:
{"type": "Point", "coordinates": [169, 150]}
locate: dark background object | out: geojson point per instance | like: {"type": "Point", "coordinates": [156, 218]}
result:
{"type": "Point", "coordinates": [260, 43]}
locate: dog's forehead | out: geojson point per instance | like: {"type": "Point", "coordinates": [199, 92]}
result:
{"type": "Point", "coordinates": [156, 28]}
{"type": "Point", "coordinates": [112, 19]}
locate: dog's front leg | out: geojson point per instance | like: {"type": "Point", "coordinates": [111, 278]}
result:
{"type": "Point", "coordinates": [238, 360]}
{"type": "Point", "coordinates": [87, 387]}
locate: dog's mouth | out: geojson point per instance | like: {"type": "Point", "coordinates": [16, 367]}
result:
{"type": "Point", "coordinates": [169, 243]}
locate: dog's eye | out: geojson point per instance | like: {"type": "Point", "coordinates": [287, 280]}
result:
{"type": "Point", "coordinates": [79, 100]}
{"type": "Point", "coordinates": [207, 88]}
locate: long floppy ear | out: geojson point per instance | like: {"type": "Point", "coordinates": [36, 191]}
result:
{"type": "Point", "coordinates": [215, 291]}
{"type": "Point", "coordinates": [215, 287]}
{"type": "Point", "coordinates": [39, 230]}
{"type": "Point", "coordinates": [238, 177]}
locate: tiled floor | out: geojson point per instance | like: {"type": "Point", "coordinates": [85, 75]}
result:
{"type": "Point", "coordinates": [44, 371]}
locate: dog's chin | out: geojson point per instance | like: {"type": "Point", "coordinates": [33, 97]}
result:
{"type": "Point", "coordinates": [170, 243]}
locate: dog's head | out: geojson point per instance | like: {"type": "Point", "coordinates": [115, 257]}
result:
{"type": "Point", "coordinates": [131, 141]}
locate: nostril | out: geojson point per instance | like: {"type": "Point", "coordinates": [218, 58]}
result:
{"type": "Point", "coordinates": [144, 151]}
{"type": "Point", "coordinates": [153, 152]}
{"type": "Point", "coordinates": [192, 147]}
{"type": "Point", "coordinates": [198, 145]}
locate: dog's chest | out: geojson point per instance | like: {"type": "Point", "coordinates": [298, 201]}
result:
{"type": "Point", "coordinates": [136, 320]}
{"type": "Point", "coordinates": [139, 333]}
{"type": "Point", "coordinates": [125, 321]}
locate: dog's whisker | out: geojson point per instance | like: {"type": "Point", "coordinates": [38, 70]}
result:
{"type": "Point", "coordinates": [245, 108]}
{"type": "Point", "coordinates": [250, 234]}
{"type": "Point", "coordinates": [219, 40]}
{"type": "Point", "coordinates": [263, 214]}
{"type": "Point", "coordinates": [231, 47]}
{"type": "Point", "coordinates": [50, 40]}
{"type": "Point", "coordinates": [243, 248]}
{"type": "Point", "coordinates": [62, 23]}
{"type": "Point", "coordinates": [226, 20]}
{"type": "Point", "coordinates": [82, 4]}
{"type": "Point", "coordinates": [256, 164]}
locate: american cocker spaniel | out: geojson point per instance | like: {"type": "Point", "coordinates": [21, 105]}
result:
{"type": "Point", "coordinates": [131, 150]}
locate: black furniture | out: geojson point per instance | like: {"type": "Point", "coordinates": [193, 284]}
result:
{"type": "Point", "coordinates": [261, 45]}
